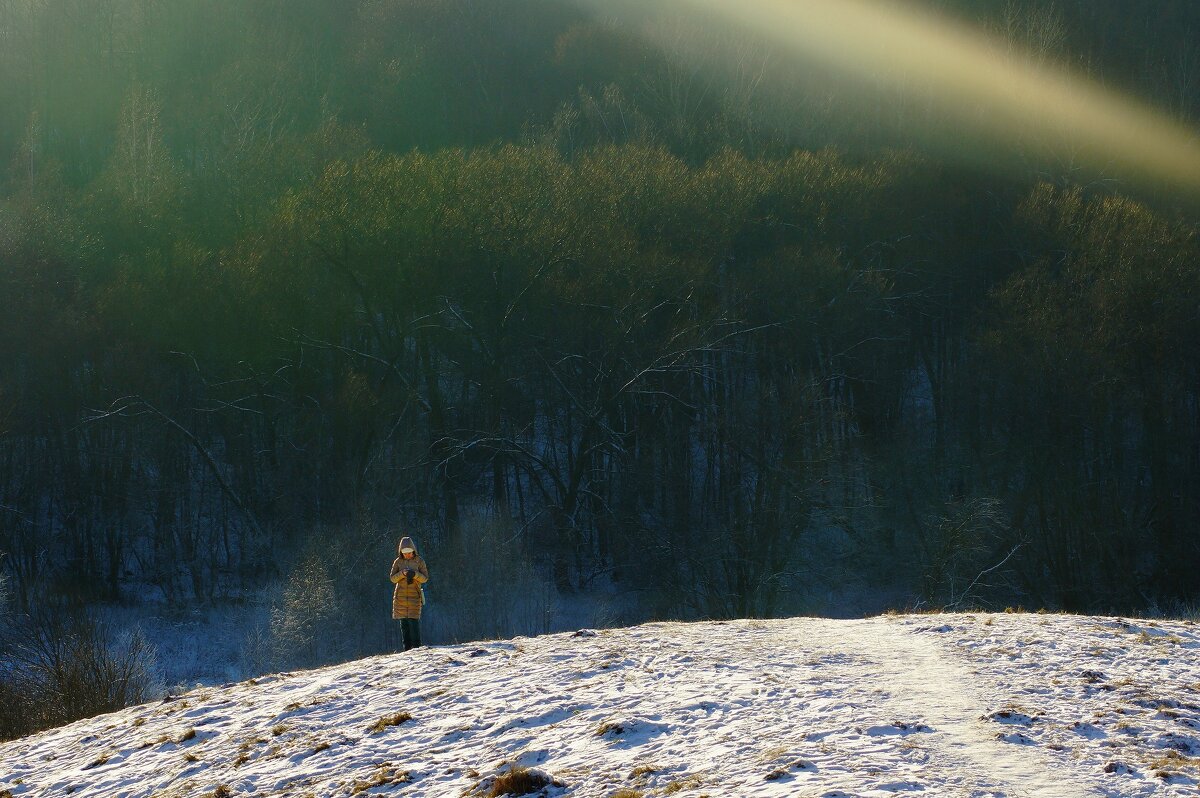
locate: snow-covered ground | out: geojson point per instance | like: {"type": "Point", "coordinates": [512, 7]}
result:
{"type": "Point", "coordinates": [198, 647]}
{"type": "Point", "coordinates": [1041, 706]}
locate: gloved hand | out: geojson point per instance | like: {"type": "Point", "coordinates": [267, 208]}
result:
{"type": "Point", "coordinates": [409, 574]}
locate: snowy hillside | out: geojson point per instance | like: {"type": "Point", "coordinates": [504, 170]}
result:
{"type": "Point", "coordinates": [938, 705]}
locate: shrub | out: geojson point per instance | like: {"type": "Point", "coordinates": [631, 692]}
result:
{"type": "Point", "coordinates": [332, 607]}
{"type": "Point", "coordinates": [62, 666]}
{"type": "Point", "coordinates": [302, 619]}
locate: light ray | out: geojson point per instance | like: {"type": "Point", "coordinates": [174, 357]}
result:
{"type": "Point", "coordinates": [980, 92]}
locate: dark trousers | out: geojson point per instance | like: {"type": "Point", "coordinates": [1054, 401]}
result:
{"type": "Point", "coordinates": [410, 628]}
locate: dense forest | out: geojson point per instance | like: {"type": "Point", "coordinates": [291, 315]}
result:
{"type": "Point", "coordinates": [285, 279]}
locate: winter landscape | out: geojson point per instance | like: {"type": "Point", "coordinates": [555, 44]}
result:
{"type": "Point", "coordinates": [983, 705]}
{"type": "Point", "coordinates": [613, 398]}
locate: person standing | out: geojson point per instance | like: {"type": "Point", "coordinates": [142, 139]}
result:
{"type": "Point", "coordinates": [409, 572]}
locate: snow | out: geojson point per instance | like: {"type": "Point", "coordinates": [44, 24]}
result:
{"type": "Point", "coordinates": [197, 647]}
{"type": "Point", "coordinates": [976, 705]}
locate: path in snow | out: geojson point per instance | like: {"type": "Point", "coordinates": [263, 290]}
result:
{"type": "Point", "coordinates": [923, 678]}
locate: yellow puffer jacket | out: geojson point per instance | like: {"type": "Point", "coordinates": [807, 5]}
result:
{"type": "Point", "coordinates": [407, 597]}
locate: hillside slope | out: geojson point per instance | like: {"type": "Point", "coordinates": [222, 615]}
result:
{"type": "Point", "coordinates": [944, 705]}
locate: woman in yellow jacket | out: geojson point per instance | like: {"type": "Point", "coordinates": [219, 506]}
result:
{"type": "Point", "coordinates": [409, 572]}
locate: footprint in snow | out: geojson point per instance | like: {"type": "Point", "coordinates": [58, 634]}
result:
{"type": "Point", "coordinates": [1088, 730]}
{"type": "Point", "coordinates": [786, 772]}
{"type": "Point", "coordinates": [528, 759]}
{"type": "Point", "coordinates": [895, 728]}
{"type": "Point", "coordinates": [1011, 717]}
{"type": "Point", "coordinates": [1188, 746]}
{"type": "Point", "coordinates": [630, 732]}
{"type": "Point", "coordinates": [1016, 738]}
{"type": "Point", "coordinates": [1117, 768]}
{"type": "Point", "coordinates": [902, 786]}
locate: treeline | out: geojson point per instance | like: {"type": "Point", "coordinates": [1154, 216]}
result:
{"type": "Point", "coordinates": [283, 278]}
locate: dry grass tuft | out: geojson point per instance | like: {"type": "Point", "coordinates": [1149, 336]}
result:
{"type": "Point", "coordinates": [518, 781]}
{"type": "Point", "coordinates": [383, 776]}
{"type": "Point", "coordinates": [1173, 761]}
{"type": "Point", "coordinates": [610, 727]}
{"type": "Point", "coordinates": [642, 771]}
{"type": "Point", "coordinates": [388, 721]}
{"type": "Point", "coordinates": [686, 783]}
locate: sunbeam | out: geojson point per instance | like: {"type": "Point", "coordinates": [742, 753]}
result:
{"type": "Point", "coordinates": [982, 97]}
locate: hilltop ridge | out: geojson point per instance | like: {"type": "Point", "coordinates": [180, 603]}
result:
{"type": "Point", "coordinates": [982, 705]}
